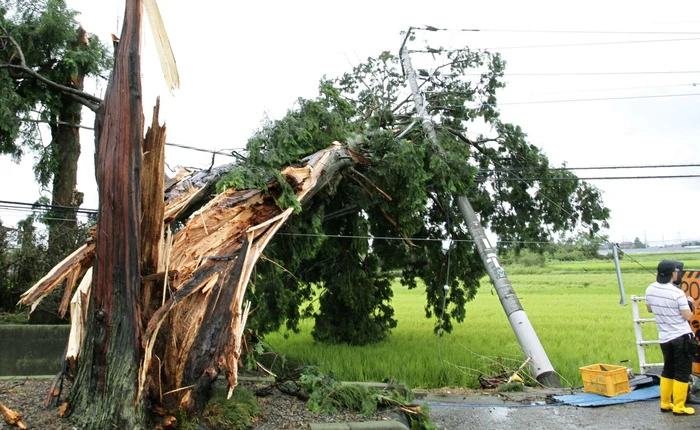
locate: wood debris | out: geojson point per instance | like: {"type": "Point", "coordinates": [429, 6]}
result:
{"type": "Point", "coordinates": [12, 418]}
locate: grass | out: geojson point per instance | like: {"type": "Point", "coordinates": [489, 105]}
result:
{"type": "Point", "coordinates": [574, 308]}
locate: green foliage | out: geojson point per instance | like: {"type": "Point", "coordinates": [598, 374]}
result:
{"type": "Point", "coordinates": [528, 259]}
{"type": "Point", "coordinates": [24, 260]}
{"type": "Point", "coordinates": [511, 387]}
{"type": "Point", "coordinates": [327, 394]}
{"type": "Point", "coordinates": [236, 413]}
{"type": "Point", "coordinates": [47, 32]}
{"type": "Point", "coordinates": [367, 108]}
{"type": "Point", "coordinates": [580, 247]}
{"type": "Point", "coordinates": [638, 243]}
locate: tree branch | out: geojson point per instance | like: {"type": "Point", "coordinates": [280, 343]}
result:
{"type": "Point", "coordinates": [387, 196]}
{"type": "Point", "coordinates": [470, 142]}
{"type": "Point", "coordinates": [88, 100]}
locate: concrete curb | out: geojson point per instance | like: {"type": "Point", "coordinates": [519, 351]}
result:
{"type": "Point", "coordinates": [10, 378]}
{"type": "Point", "coordinates": [364, 425]}
{"type": "Point", "coordinates": [36, 349]}
{"type": "Point", "coordinates": [481, 399]}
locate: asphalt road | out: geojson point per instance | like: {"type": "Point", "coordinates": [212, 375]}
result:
{"type": "Point", "coordinates": [637, 416]}
{"type": "Point", "coordinates": [530, 410]}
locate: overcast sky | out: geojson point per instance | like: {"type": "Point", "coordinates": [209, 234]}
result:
{"type": "Point", "coordinates": [239, 62]}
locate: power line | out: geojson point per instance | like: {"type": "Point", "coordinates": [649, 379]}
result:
{"type": "Point", "coordinates": [412, 239]}
{"type": "Point", "coordinates": [597, 90]}
{"type": "Point", "coordinates": [408, 33]}
{"type": "Point", "coordinates": [47, 207]}
{"type": "Point", "coordinates": [624, 42]}
{"type": "Point", "coordinates": [498, 30]}
{"type": "Point", "coordinates": [647, 87]}
{"type": "Point", "coordinates": [645, 72]}
{"type": "Point", "coordinates": [532, 102]}
{"type": "Point", "coordinates": [631, 258]}
{"type": "Point", "coordinates": [521, 179]}
{"type": "Point", "coordinates": [194, 148]}
{"type": "Point", "coordinates": [641, 166]}
{"type": "Point", "coordinates": [562, 45]}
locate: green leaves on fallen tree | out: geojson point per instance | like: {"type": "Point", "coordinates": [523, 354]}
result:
{"type": "Point", "coordinates": [328, 395]}
{"type": "Point", "coordinates": [391, 213]}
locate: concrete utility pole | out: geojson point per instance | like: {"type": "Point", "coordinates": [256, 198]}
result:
{"type": "Point", "coordinates": [524, 332]}
{"type": "Point", "coordinates": [623, 300]}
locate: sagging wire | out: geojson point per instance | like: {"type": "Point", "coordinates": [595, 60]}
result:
{"type": "Point", "coordinates": [631, 258]}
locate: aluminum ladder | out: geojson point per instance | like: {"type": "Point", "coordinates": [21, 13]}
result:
{"type": "Point", "coordinates": [641, 343]}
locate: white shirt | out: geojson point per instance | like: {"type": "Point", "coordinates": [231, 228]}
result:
{"type": "Point", "coordinates": [666, 302]}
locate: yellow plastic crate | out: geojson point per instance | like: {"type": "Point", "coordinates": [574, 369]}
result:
{"type": "Point", "coordinates": [605, 379]}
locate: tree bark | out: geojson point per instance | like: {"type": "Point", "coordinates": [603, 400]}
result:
{"type": "Point", "coordinates": [65, 147]}
{"type": "Point", "coordinates": [62, 221]}
{"type": "Point", "coordinates": [104, 394]}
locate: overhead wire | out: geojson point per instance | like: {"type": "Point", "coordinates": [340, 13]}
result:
{"type": "Point", "coordinates": [633, 259]}
{"type": "Point", "coordinates": [546, 31]}
{"type": "Point", "coordinates": [178, 145]}
{"type": "Point", "coordinates": [567, 45]}
{"type": "Point", "coordinates": [48, 206]}
{"type": "Point", "coordinates": [597, 99]}
{"type": "Point", "coordinates": [640, 166]}
{"type": "Point", "coordinates": [607, 178]}
{"type": "Point", "coordinates": [585, 100]}
{"type": "Point", "coordinates": [561, 45]}
{"type": "Point", "coordinates": [598, 90]}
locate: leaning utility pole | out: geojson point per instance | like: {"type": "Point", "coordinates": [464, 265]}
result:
{"type": "Point", "coordinates": [524, 332]}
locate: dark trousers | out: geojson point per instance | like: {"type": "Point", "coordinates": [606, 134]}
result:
{"type": "Point", "coordinates": [678, 362]}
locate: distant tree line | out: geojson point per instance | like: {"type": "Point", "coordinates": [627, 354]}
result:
{"type": "Point", "coordinates": [24, 260]}
{"type": "Point", "coordinates": [578, 248]}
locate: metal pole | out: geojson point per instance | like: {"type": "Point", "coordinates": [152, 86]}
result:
{"type": "Point", "coordinates": [524, 332]}
{"type": "Point", "coordinates": [623, 301]}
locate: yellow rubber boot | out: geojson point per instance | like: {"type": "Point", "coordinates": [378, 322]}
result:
{"type": "Point", "coordinates": [680, 394]}
{"type": "Point", "coordinates": [666, 392]}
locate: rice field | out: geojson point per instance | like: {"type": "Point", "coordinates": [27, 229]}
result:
{"type": "Point", "coordinates": [574, 308]}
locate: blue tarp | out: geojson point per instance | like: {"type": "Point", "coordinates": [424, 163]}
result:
{"type": "Point", "coordinates": [588, 399]}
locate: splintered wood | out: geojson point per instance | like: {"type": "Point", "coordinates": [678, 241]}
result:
{"type": "Point", "coordinates": [71, 269]}
{"type": "Point", "coordinates": [194, 332]}
{"type": "Point", "coordinates": [12, 418]}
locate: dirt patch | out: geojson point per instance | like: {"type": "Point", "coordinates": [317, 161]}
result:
{"type": "Point", "coordinates": [279, 411]}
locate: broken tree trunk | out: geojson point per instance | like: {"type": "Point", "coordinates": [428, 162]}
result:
{"type": "Point", "coordinates": [214, 256]}
{"type": "Point", "coordinates": [152, 205]}
{"type": "Point", "coordinates": [71, 269]}
{"type": "Point", "coordinates": [104, 393]}
{"type": "Point", "coordinates": [196, 335]}
{"type": "Point", "coordinates": [192, 191]}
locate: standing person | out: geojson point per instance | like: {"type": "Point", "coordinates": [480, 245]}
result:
{"type": "Point", "coordinates": [672, 313]}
